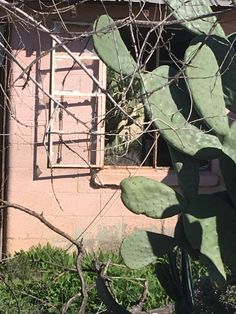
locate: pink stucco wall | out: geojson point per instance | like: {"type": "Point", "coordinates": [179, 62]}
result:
{"type": "Point", "coordinates": [92, 210]}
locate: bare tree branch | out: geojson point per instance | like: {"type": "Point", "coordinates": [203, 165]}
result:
{"type": "Point", "coordinates": [41, 218]}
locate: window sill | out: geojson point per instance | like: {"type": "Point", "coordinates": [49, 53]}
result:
{"type": "Point", "coordinates": [114, 175]}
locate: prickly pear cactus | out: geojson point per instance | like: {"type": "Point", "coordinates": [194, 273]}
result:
{"type": "Point", "coordinates": [206, 227]}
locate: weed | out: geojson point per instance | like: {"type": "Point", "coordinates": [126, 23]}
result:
{"type": "Point", "coordinates": [43, 279]}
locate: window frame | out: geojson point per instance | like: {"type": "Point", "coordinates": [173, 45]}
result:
{"type": "Point", "coordinates": [112, 175]}
{"type": "Point", "coordinates": [101, 105]}
{"type": "Point", "coordinates": [101, 99]}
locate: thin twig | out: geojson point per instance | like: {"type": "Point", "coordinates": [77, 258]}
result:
{"type": "Point", "coordinates": [84, 288]}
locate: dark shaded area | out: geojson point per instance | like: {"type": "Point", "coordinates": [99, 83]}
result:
{"type": "Point", "coordinates": [224, 195]}
{"type": "Point", "coordinates": [182, 239]}
{"type": "Point", "coordinates": [209, 299]}
{"type": "Point", "coordinates": [160, 243]}
{"type": "Point", "coordinates": [228, 170]}
{"type": "Point", "coordinates": [173, 280]}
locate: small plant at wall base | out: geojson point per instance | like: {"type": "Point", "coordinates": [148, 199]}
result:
{"type": "Point", "coordinates": [44, 278]}
{"type": "Point", "coordinates": [205, 83]}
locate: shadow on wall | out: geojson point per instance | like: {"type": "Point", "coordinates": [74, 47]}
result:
{"type": "Point", "coordinates": [69, 138]}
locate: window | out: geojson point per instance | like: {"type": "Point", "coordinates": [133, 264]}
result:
{"type": "Point", "coordinates": [76, 136]}
{"type": "Point", "coordinates": [86, 130]}
{"type": "Point", "coordinates": [123, 144]}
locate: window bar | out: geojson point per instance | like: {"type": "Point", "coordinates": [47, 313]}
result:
{"type": "Point", "coordinates": [51, 103]}
{"type": "Point", "coordinates": [155, 147]}
{"type": "Point", "coordinates": [155, 133]}
{"type": "Point", "coordinates": [102, 111]}
{"type": "Point", "coordinates": [59, 151]}
{"type": "Point", "coordinates": [158, 55]}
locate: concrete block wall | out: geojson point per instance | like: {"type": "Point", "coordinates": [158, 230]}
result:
{"type": "Point", "coordinates": [68, 198]}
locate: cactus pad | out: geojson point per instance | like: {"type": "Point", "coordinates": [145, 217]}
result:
{"type": "Point", "coordinates": [202, 235]}
{"type": "Point", "coordinates": [210, 227]}
{"type": "Point", "coordinates": [206, 87]}
{"type": "Point", "coordinates": [187, 169]}
{"type": "Point", "coordinates": [224, 54]}
{"type": "Point", "coordinates": [163, 100]}
{"type": "Point", "coordinates": [111, 48]}
{"type": "Point", "coordinates": [144, 247]}
{"type": "Point", "coordinates": [183, 10]}
{"type": "Point", "coordinates": [154, 199]}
